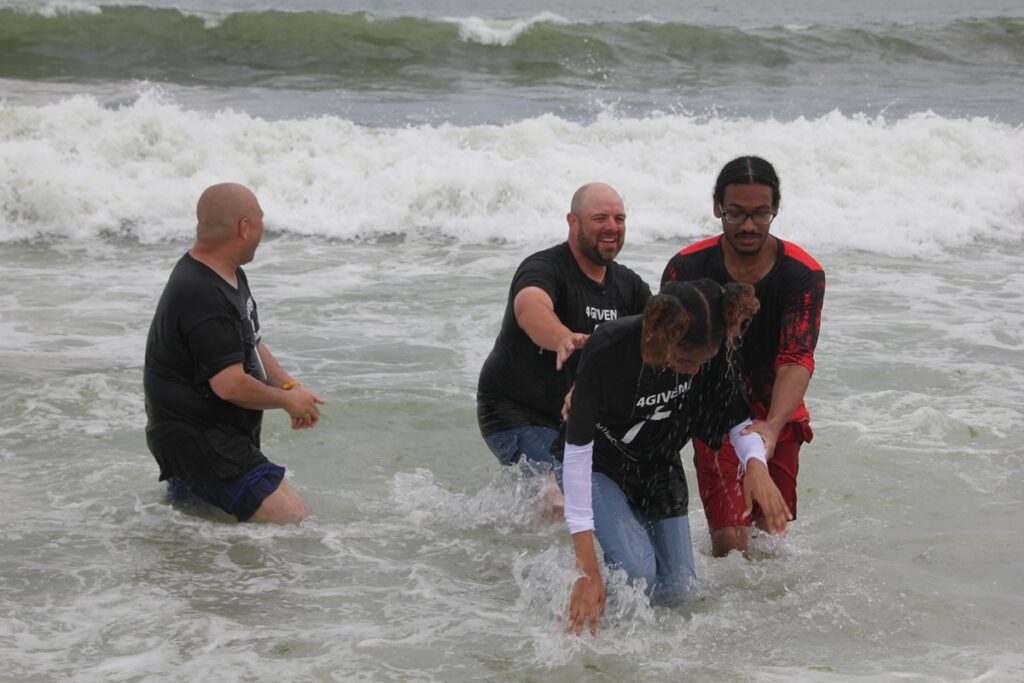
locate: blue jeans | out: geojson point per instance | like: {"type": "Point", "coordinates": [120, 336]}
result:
{"type": "Point", "coordinates": [532, 441]}
{"type": "Point", "coordinates": [657, 550]}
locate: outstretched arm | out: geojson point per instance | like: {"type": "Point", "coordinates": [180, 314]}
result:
{"type": "Point", "coordinates": [586, 603]}
{"type": "Point", "coordinates": [535, 313]}
{"type": "Point", "coordinates": [791, 383]}
{"type": "Point", "coordinates": [798, 335]}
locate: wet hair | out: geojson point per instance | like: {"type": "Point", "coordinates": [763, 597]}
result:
{"type": "Point", "coordinates": [697, 314]}
{"type": "Point", "coordinates": [748, 171]}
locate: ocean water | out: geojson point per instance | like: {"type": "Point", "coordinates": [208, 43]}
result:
{"type": "Point", "coordinates": [407, 159]}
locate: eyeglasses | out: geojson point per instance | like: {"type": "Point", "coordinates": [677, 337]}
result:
{"type": "Point", "coordinates": [762, 218]}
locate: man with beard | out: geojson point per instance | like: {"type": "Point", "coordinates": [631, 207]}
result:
{"type": "Point", "coordinates": [777, 348]}
{"type": "Point", "coordinates": [558, 296]}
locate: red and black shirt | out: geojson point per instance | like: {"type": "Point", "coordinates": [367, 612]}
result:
{"type": "Point", "coordinates": [785, 329]}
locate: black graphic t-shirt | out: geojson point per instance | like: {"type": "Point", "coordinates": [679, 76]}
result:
{"type": "Point", "coordinates": [202, 325]}
{"type": "Point", "coordinates": [639, 418]}
{"type": "Point", "coordinates": [519, 385]}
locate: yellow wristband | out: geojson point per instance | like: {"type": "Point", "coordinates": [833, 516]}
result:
{"type": "Point", "coordinates": [290, 385]}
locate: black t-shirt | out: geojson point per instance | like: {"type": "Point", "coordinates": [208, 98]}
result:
{"type": "Point", "coordinates": [639, 418]}
{"type": "Point", "coordinates": [785, 329]}
{"type": "Point", "coordinates": [519, 385]}
{"type": "Point", "coordinates": [202, 325]}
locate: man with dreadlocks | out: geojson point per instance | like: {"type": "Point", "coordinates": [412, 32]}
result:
{"type": "Point", "coordinates": [777, 349]}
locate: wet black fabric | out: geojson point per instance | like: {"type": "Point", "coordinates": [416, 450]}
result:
{"type": "Point", "coordinates": [639, 418]}
{"type": "Point", "coordinates": [202, 325]}
{"type": "Point", "coordinates": [518, 383]}
{"type": "Point", "coordinates": [785, 329]}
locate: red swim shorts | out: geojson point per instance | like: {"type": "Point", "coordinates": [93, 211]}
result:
{"type": "Point", "coordinates": [721, 488]}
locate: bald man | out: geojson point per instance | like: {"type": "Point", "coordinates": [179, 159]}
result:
{"type": "Point", "coordinates": [208, 375]}
{"type": "Point", "coordinates": [558, 296]}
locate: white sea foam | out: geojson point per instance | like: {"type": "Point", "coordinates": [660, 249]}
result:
{"type": "Point", "coordinates": [211, 20]}
{"type": "Point", "coordinates": [56, 8]}
{"type": "Point", "coordinates": [59, 7]}
{"type": "Point", "coordinates": [513, 499]}
{"type": "Point", "coordinates": [503, 32]}
{"type": "Point", "coordinates": [917, 186]}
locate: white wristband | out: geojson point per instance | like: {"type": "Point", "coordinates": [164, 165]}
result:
{"type": "Point", "coordinates": [747, 445]}
{"type": "Point", "coordinates": [577, 466]}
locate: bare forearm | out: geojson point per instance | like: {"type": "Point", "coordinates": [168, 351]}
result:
{"type": "Point", "coordinates": [586, 602]}
{"type": "Point", "coordinates": [276, 375]}
{"type": "Point", "coordinates": [791, 383]}
{"type": "Point", "coordinates": [586, 556]}
{"type": "Point", "coordinates": [234, 386]}
{"type": "Point", "coordinates": [248, 392]}
{"type": "Point", "coordinates": [542, 326]}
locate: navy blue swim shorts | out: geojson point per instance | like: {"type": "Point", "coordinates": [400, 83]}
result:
{"type": "Point", "coordinates": [241, 497]}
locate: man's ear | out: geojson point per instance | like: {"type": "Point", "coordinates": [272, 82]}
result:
{"type": "Point", "coordinates": [573, 221]}
{"type": "Point", "coordinates": [717, 209]}
{"type": "Point", "coordinates": [244, 226]}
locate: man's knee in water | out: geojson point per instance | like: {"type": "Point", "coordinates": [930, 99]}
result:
{"type": "Point", "coordinates": [728, 539]}
{"type": "Point", "coordinates": [533, 442]}
{"type": "Point", "coordinates": [283, 506]}
{"type": "Point", "coordinates": [259, 495]}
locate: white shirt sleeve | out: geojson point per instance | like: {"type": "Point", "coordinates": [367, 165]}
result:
{"type": "Point", "coordinates": [747, 446]}
{"type": "Point", "coordinates": [577, 466]}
